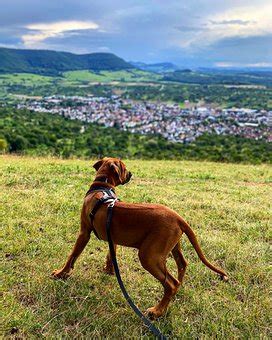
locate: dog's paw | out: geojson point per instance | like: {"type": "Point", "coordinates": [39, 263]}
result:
{"type": "Point", "coordinates": [224, 278]}
{"type": "Point", "coordinates": [60, 274]}
{"type": "Point", "coordinates": [153, 313]}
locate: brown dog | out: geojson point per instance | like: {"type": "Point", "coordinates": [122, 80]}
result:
{"type": "Point", "coordinates": [152, 228]}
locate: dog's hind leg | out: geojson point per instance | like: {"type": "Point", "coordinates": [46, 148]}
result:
{"type": "Point", "coordinates": [155, 263]}
{"type": "Point", "coordinates": [108, 268]}
{"type": "Point", "coordinates": [180, 261]}
{"type": "Point", "coordinates": [82, 240]}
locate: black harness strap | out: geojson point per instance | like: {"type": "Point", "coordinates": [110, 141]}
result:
{"type": "Point", "coordinates": [109, 191]}
{"type": "Point", "coordinates": [146, 321]}
{"type": "Point", "coordinates": [94, 211]}
{"type": "Point", "coordinates": [110, 197]}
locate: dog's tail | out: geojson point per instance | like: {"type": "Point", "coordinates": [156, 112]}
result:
{"type": "Point", "coordinates": [192, 238]}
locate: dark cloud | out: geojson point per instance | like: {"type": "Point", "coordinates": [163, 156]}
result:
{"type": "Point", "coordinates": [250, 50]}
{"type": "Point", "coordinates": [151, 30]}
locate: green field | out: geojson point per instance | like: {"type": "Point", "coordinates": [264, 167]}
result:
{"type": "Point", "coordinates": [111, 76]}
{"type": "Point", "coordinates": [77, 77]}
{"type": "Point", "coordinates": [226, 204]}
{"type": "Point", "coordinates": [69, 83]}
{"type": "Point", "coordinates": [23, 84]}
{"type": "Point", "coordinates": [26, 79]}
{"type": "Point", "coordinates": [142, 85]}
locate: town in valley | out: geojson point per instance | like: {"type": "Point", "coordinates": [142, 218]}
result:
{"type": "Point", "coordinates": [173, 122]}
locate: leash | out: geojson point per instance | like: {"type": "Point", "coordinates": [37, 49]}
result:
{"type": "Point", "coordinates": [145, 320]}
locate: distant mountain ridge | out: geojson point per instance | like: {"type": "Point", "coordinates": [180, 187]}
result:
{"type": "Point", "coordinates": [157, 67]}
{"type": "Point", "coordinates": [53, 63]}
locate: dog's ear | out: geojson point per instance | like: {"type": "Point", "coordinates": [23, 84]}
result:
{"type": "Point", "coordinates": [98, 164]}
{"type": "Point", "coordinates": [117, 171]}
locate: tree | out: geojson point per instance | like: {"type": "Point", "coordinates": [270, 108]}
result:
{"type": "Point", "coordinates": [3, 145]}
{"type": "Point", "coordinates": [19, 143]}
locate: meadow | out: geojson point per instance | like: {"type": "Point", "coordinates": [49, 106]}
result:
{"type": "Point", "coordinates": [226, 204]}
{"type": "Point", "coordinates": [82, 82]}
{"type": "Point", "coordinates": [111, 76]}
{"type": "Point", "coordinates": [139, 85]}
{"type": "Point", "coordinates": [81, 77]}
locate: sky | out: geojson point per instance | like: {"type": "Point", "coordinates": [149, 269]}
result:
{"type": "Point", "coordinates": [189, 33]}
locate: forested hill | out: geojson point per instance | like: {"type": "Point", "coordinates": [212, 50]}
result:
{"type": "Point", "coordinates": [53, 63]}
{"type": "Point", "coordinates": [213, 77]}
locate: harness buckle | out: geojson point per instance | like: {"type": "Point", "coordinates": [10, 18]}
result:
{"type": "Point", "coordinates": [112, 203]}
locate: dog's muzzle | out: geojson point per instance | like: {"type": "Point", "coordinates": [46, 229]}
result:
{"type": "Point", "coordinates": [129, 175]}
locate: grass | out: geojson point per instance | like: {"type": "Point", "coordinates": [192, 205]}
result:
{"type": "Point", "coordinates": [33, 84]}
{"type": "Point", "coordinates": [110, 76]}
{"type": "Point", "coordinates": [26, 79]}
{"type": "Point", "coordinates": [78, 77]}
{"type": "Point", "coordinates": [11, 83]}
{"type": "Point", "coordinates": [226, 204]}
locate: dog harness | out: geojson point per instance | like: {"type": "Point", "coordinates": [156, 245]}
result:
{"type": "Point", "coordinates": [109, 197]}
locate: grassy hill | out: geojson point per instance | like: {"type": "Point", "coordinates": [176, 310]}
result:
{"type": "Point", "coordinates": [125, 76]}
{"type": "Point", "coordinates": [29, 82]}
{"type": "Point", "coordinates": [53, 63]}
{"type": "Point", "coordinates": [226, 204]}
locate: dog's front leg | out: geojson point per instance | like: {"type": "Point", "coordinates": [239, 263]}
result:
{"type": "Point", "coordinates": [108, 268]}
{"type": "Point", "coordinates": [82, 240]}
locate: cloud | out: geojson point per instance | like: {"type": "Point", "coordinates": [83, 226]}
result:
{"type": "Point", "coordinates": [235, 21]}
{"type": "Point", "coordinates": [41, 31]}
{"type": "Point", "coordinates": [227, 64]}
{"type": "Point", "coordinates": [253, 21]}
{"type": "Point", "coordinates": [188, 32]}
{"type": "Point", "coordinates": [232, 22]}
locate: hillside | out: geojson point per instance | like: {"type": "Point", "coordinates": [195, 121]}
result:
{"type": "Point", "coordinates": [211, 77]}
{"type": "Point", "coordinates": [226, 204]}
{"type": "Point", "coordinates": [46, 134]}
{"type": "Point", "coordinates": [53, 63]}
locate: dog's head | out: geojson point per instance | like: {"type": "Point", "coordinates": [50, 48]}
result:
{"type": "Point", "coordinates": [113, 169]}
